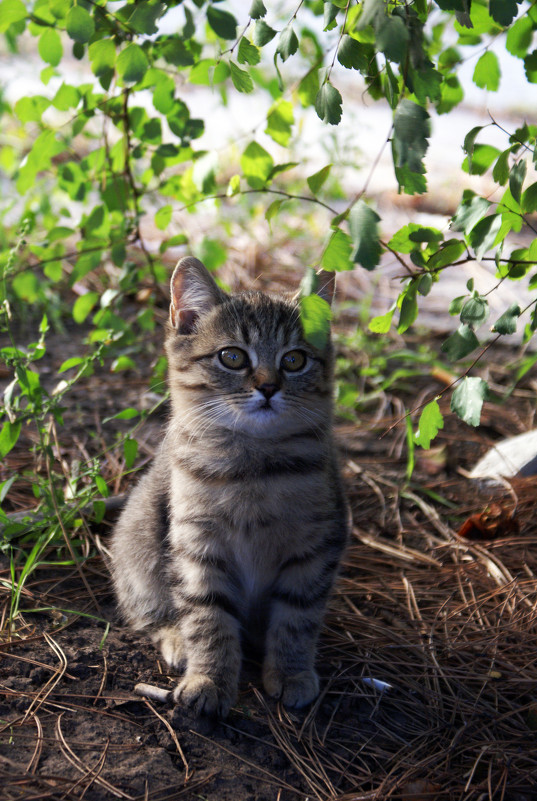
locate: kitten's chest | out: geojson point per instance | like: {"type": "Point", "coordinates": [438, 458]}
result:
{"type": "Point", "coordinates": [255, 564]}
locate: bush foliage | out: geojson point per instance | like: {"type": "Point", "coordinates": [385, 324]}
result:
{"type": "Point", "coordinates": [110, 142]}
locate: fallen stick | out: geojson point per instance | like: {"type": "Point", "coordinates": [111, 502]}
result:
{"type": "Point", "coordinates": [157, 694]}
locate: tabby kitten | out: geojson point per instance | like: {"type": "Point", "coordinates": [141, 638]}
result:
{"type": "Point", "coordinates": [238, 528]}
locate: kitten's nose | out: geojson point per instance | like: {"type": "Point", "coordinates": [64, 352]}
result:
{"type": "Point", "coordinates": [268, 390]}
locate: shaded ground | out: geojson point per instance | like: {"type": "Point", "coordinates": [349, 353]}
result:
{"type": "Point", "coordinates": [448, 623]}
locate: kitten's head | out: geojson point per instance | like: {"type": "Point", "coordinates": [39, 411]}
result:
{"type": "Point", "coordinates": [241, 362]}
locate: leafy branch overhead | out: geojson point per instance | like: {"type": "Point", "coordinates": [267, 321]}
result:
{"type": "Point", "coordinates": [109, 145]}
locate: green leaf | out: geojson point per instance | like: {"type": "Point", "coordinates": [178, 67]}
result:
{"type": "Point", "coordinates": [530, 66]}
{"type": "Point", "coordinates": [30, 109]}
{"type": "Point", "coordinates": [411, 130]}
{"type": "Point", "coordinates": [382, 323]}
{"type": "Point", "coordinates": [482, 158]}
{"type": "Point", "coordinates": [404, 240]}
{"type": "Point", "coordinates": [503, 11]}
{"type": "Point", "coordinates": [122, 363]}
{"type": "Point", "coordinates": [425, 284]}
{"type": "Point", "coordinates": [427, 83]}
{"type": "Point", "coordinates": [132, 64]}
{"type": "Point", "coordinates": [256, 165]}
{"type": "Point", "coordinates": [316, 181]}
{"type": "Point", "coordinates": [460, 344]}
{"type": "Point", "coordinates": [102, 56]}
{"type": "Point", "coordinates": [124, 414]}
{"type": "Point", "coordinates": [425, 234]}
{"type": "Point", "coordinates": [280, 121]}
{"type": "Point", "coordinates": [234, 186]}
{"type": "Point", "coordinates": [164, 94]}
{"type": "Point", "coordinates": [328, 104]}
{"type": "Point", "coordinates": [469, 142]}
{"type": "Point", "coordinates": [102, 486]}
{"type": "Point", "coordinates": [273, 210]}
{"type": "Point", "coordinates": [472, 209]}
{"type": "Point", "coordinates": [223, 23]}
{"type": "Point", "coordinates": [528, 201]}
{"type": "Point", "coordinates": [279, 168]}
{"type": "Point", "coordinates": [467, 400]}
{"type": "Point", "coordinates": [50, 46]}
{"type": "Point", "coordinates": [38, 159]}
{"type": "Point", "coordinates": [248, 53]}
{"type": "Point", "coordinates": [392, 37]}
{"type": "Point", "coordinates": [308, 88]}
{"type": "Point", "coordinates": [455, 305]}
{"type": "Point", "coordinates": [5, 486]}
{"type": "Point", "coordinates": [144, 17]}
{"type": "Point", "coordinates": [350, 53]}
{"type": "Point", "coordinates": [337, 254]}
{"type": "Point", "coordinates": [8, 436]}
{"type": "Point", "coordinates": [241, 79]}
{"type": "Point", "coordinates": [177, 53]}
{"type": "Point", "coordinates": [79, 24]}
{"type": "Point", "coordinates": [83, 305]}
{"type": "Point", "coordinates": [475, 311]}
{"type": "Point", "coordinates": [315, 316]}
{"type": "Point", "coordinates": [130, 450]}
{"type": "Point", "coordinates": [408, 307]}
{"type": "Point", "coordinates": [483, 236]}
{"type": "Point", "coordinates": [430, 423]}
{"type": "Point", "coordinates": [450, 251]}
{"type": "Point", "coordinates": [68, 364]}
{"type": "Point", "coordinates": [519, 37]}
{"type": "Point", "coordinates": [11, 11]}
{"type": "Point", "coordinates": [451, 94]}
{"type": "Point", "coordinates": [363, 224]}
{"type": "Point", "coordinates": [516, 179]}
{"type": "Point", "coordinates": [487, 72]}
{"type": "Point", "coordinates": [330, 12]}
{"type": "Point", "coordinates": [163, 217]}
{"type": "Point", "coordinates": [59, 8]}
{"type": "Point", "coordinates": [500, 173]}
{"type": "Point", "coordinates": [410, 182]}
{"type": "Point", "coordinates": [506, 324]}
{"type": "Point", "coordinates": [263, 33]}
{"type": "Point", "coordinates": [309, 282]}
{"type": "Point", "coordinates": [288, 43]}
{"type": "Point", "coordinates": [66, 97]}
{"type": "Point", "coordinates": [257, 9]}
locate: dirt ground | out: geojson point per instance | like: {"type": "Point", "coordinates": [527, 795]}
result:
{"type": "Point", "coordinates": [428, 656]}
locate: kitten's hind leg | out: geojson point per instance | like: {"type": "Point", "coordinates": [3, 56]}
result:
{"type": "Point", "coordinates": [171, 644]}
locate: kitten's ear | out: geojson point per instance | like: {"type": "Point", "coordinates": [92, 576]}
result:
{"type": "Point", "coordinates": [326, 285]}
{"type": "Point", "coordinates": [193, 291]}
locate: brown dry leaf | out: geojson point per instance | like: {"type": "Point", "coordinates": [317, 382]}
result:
{"type": "Point", "coordinates": [494, 522]}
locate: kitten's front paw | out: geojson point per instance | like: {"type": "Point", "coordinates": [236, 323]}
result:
{"type": "Point", "coordinates": [199, 693]}
{"type": "Point", "coordinates": [171, 645]}
{"type": "Point", "coordinates": [294, 691]}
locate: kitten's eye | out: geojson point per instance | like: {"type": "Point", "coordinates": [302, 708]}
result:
{"type": "Point", "coordinates": [293, 361]}
{"type": "Point", "coordinates": [233, 358]}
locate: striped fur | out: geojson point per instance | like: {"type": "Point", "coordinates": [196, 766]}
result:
{"type": "Point", "coordinates": [238, 528]}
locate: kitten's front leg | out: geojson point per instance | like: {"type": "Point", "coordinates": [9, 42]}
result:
{"type": "Point", "coordinates": [288, 668]}
{"type": "Point", "coordinates": [297, 608]}
{"type": "Point", "coordinates": [209, 628]}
